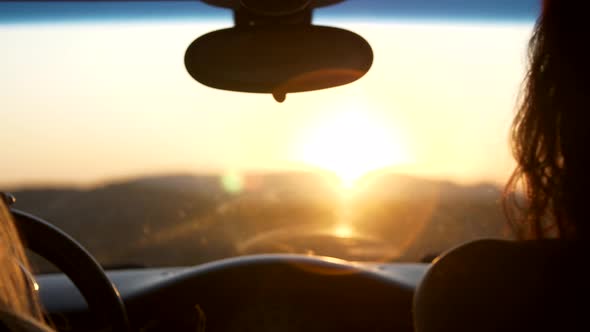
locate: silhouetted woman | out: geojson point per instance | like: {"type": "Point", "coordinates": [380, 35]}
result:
{"type": "Point", "coordinates": [539, 284]}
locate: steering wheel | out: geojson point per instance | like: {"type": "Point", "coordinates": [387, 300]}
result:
{"type": "Point", "coordinates": [77, 264]}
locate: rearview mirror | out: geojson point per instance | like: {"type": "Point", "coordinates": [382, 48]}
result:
{"type": "Point", "coordinates": [278, 60]}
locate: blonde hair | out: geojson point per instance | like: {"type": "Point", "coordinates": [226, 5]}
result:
{"type": "Point", "coordinates": [18, 295]}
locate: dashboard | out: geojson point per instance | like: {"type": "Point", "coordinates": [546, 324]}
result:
{"type": "Point", "coordinates": [251, 293]}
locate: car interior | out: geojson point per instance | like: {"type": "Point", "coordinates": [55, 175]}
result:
{"type": "Point", "coordinates": [253, 165]}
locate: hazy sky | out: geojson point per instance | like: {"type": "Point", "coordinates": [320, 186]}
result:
{"type": "Point", "coordinates": [86, 102]}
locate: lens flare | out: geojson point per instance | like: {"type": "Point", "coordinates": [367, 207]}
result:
{"type": "Point", "coordinates": [232, 182]}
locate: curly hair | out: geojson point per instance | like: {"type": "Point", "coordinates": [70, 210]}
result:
{"type": "Point", "coordinates": [550, 131]}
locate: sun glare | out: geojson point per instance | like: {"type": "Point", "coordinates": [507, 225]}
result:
{"type": "Point", "coordinates": [351, 142]}
{"type": "Point", "coordinates": [343, 231]}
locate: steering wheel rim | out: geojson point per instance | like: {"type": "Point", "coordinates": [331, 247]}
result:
{"type": "Point", "coordinates": [78, 264]}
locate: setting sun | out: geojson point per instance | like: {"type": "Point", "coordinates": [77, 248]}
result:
{"type": "Point", "coordinates": [344, 231]}
{"type": "Point", "coordinates": [351, 142]}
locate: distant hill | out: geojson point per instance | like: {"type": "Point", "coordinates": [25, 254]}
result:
{"type": "Point", "coordinates": [185, 219]}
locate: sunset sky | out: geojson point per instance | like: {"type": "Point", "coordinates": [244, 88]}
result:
{"type": "Point", "coordinates": [82, 103]}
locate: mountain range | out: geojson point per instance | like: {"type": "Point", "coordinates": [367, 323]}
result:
{"type": "Point", "coordinates": [190, 219]}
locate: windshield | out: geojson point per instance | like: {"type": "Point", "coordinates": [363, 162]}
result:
{"type": "Point", "coordinates": [107, 136]}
